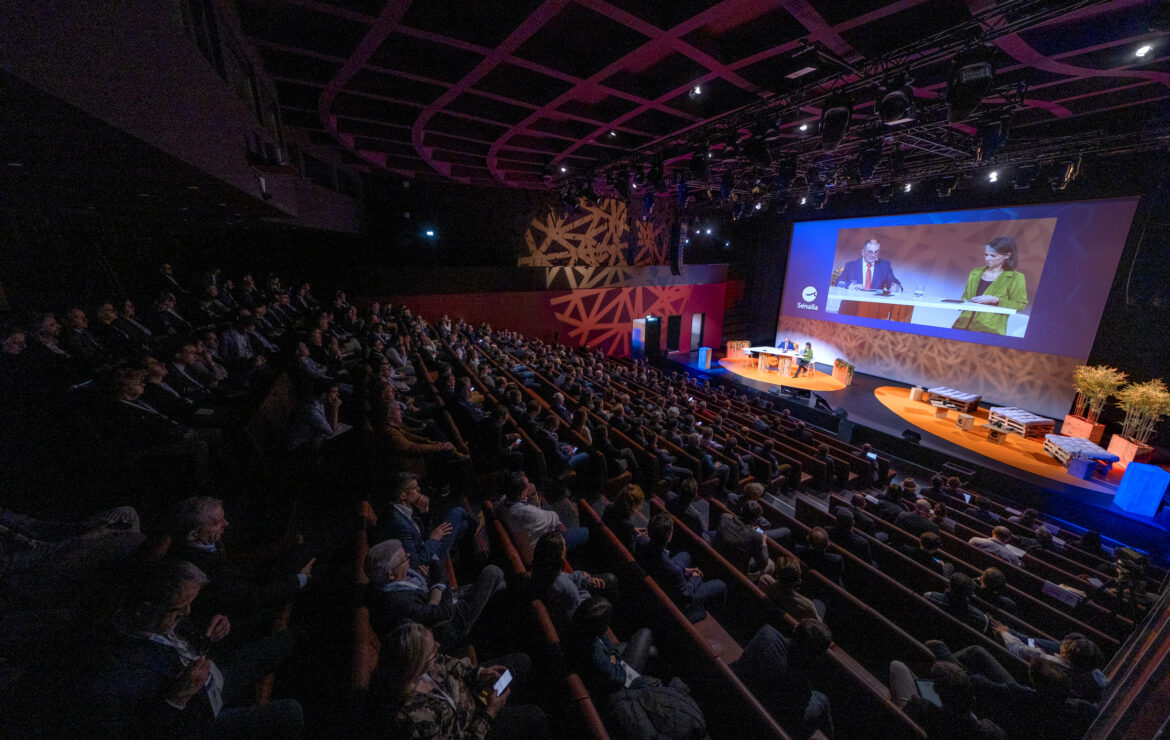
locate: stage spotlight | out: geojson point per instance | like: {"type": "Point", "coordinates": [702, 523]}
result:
{"type": "Point", "coordinates": [884, 192]}
{"type": "Point", "coordinates": [820, 198]}
{"type": "Point", "coordinates": [993, 176]}
{"type": "Point", "coordinates": [970, 82]}
{"type": "Point", "coordinates": [835, 119]}
{"type": "Point", "coordinates": [612, 134]}
{"type": "Point", "coordinates": [1023, 178]}
{"type": "Point", "coordinates": [895, 102]}
{"type": "Point", "coordinates": [1065, 173]}
{"type": "Point", "coordinates": [911, 436]}
{"type": "Point", "coordinates": [696, 92]}
{"type": "Point", "coordinates": [990, 139]}
{"type": "Point", "coordinates": [803, 200]}
{"type": "Point", "coordinates": [803, 127]}
{"type": "Point", "coordinates": [868, 158]}
{"type": "Point", "coordinates": [1143, 50]}
{"type": "Point", "coordinates": [564, 169]}
{"type": "Point", "coordinates": [907, 187]}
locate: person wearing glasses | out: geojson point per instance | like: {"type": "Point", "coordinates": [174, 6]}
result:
{"type": "Point", "coordinates": [870, 271]}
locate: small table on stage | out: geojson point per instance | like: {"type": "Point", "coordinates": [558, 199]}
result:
{"type": "Point", "coordinates": [871, 304]}
{"type": "Point", "coordinates": [784, 358]}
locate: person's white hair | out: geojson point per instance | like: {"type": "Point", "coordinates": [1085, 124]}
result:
{"type": "Point", "coordinates": [381, 559]}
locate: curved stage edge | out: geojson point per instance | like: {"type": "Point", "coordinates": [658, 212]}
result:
{"type": "Point", "coordinates": [1016, 451]}
{"type": "Point", "coordinates": [818, 381]}
{"type": "Point", "coordinates": [1033, 477]}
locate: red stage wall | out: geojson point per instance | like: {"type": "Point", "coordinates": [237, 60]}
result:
{"type": "Point", "coordinates": [598, 317]}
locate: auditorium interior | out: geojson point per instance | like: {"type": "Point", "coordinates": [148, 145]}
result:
{"type": "Point", "coordinates": [585, 369]}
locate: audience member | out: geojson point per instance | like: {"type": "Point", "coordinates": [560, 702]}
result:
{"type": "Point", "coordinates": [997, 545]}
{"type": "Point", "coordinates": [778, 670]}
{"type": "Point", "coordinates": [673, 572]}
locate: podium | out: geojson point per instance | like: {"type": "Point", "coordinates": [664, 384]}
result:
{"type": "Point", "coordinates": [705, 358]}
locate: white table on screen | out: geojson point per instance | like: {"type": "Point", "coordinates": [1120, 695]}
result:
{"type": "Point", "coordinates": [906, 298]}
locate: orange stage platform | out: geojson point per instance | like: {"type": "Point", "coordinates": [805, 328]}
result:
{"type": "Point", "coordinates": [1025, 454]}
{"type": "Point", "coordinates": [815, 381]}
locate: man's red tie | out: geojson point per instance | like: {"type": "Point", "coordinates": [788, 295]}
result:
{"type": "Point", "coordinates": [868, 275]}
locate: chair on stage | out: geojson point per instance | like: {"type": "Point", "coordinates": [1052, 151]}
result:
{"type": "Point", "coordinates": [736, 353]}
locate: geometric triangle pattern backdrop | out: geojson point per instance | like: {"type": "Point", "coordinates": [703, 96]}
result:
{"type": "Point", "coordinates": [601, 318]}
{"type": "Point", "coordinates": [594, 235]}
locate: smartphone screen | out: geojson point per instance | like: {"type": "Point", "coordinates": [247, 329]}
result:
{"type": "Point", "coordinates": [926, 691]}
{"type": "Point", "coordinates": [502, 683]}
{"type": "Point", "coordinates": [1031, 642]}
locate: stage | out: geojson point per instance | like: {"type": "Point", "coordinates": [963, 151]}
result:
{"type": "Point", "coordinates": [883, 406]}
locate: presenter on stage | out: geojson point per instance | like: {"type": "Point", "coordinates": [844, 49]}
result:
{"type": "Point", "coordinates": [870, 272]}
{"type": "Point", "coordinates": [997, 283]}
{"type": "Point", "coordinates": [786, 345]}
{"type": "Point", "coordinates": [804, 362]}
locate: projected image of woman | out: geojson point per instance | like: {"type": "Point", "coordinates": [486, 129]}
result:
{"type": "Point", "coordinates": [997, 283]}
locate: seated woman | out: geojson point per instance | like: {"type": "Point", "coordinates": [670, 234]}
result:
{"type": "Point", "coordinates": [619, 517]}
{"type": "Point", "coordinates": [605, 665]}
{"type": "Point", "coordinates": [563, 592]}
{"type": "Point", "coordinates": [997, 283]}
{"type": "Point", "coordinates": [418, 693]}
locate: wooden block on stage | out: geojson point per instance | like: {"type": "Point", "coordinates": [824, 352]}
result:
{"type": "Point", "coordinates": [916, 393]}
{"type": "Point", "coordinates": [996, 436]}
{"type": "Point", "coordinates": [940, 412]}
{"type": "Point", "coordinates": [965, 422]}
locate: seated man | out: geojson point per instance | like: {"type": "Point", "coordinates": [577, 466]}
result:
{"type": "Point", "coordinates": [997, 545]}
{"type": "Point", "coordinates": [400, 519]}
{"type": "Point", "coordinates": [526, 520]}
{"type": "Point", "coordinates": [397, 592]}
{"type": "Point", "coordinates": [953, 716]}
{"type": "Point", "coordinates": [248, 597]}
{"type": "Point", "coordinates": [843, 536]}
{"type": "Point", "coordinates": [1076, 654]}
{"type": "Point", "coordinates": [815, 554]}
{"type": "Point", "coordinates": [927, 554]}
{"type": "Point", "coordinates": [777, 670]}
{"type": "Point", "coordinates": [917, 521]}
{"type": "Point", "coordinates": [782, 588]}
{"type": "Point", "coordinates": [157, 681]}
{"type": "Point", "coordinates": [684, 584]}
{"type": "Point", "coordinates": [956, 600]}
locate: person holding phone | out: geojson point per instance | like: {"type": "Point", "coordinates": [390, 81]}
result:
{"type": "Point", "coordinates": [417, 692]}
{"type": "Point", "coordinates": [943, 704]}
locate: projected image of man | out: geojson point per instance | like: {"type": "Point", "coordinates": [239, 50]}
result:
{"type": "Point", "coordinates": [870, 272]}
{"type": "Point", "coordinates": [997, 282]}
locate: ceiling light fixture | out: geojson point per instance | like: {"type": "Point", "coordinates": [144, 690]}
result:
{"type": "Point", "coordinates": [970, 82]}
{"type": "Point", "coordinates": [804, 127]}
{"type": "Point", "coordinates": [803, 200]}
{"type": "Point", "coordinates": [564, 169]}
{"type": "Point", "coordinates": [990, 139]}
{"type": "Point", "coordinates": [993, 176]}
{"type": "Point", "coordinates": [696, 92]}
{"type": "Point", "coordinates": [907, 187]}
{"type": "Point", "coordinates": [895, 102]}
{"type": "Point", "coordinates": [797, 74]}
{"type": "Point", "coordinates": [1143, 50]}
{"type": "Point", "coordinates": [835, 119]}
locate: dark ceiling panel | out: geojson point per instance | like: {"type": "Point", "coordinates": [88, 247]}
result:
{"type": "Point", "coordinates": [767, 30]}
{"type": "Point", "coordinates": [1112, 57]}
{"type": "Point", "coordinates": [1115, 98]}
{"type": "Point", "coordinates": [604, 110]}
{"type": "Point", "coordinates": [567, 127]}
{"type": "Point", "coordinates": [298, 66]}
{"type": "Point", "coordinates": [664, 14]}
{"type": "Point", "coordinates": [580, 42]}
{"type": "Point", "coordinates": [405, 53]}
{"type": "Point", "coordinates": [297, 26]}
{"type": "Point", "coordinates": [366, 128]}
{"type": "Point", "coordinates": [836, 12]}
{"type": "Point", "coordinates": [356, 106]}
{"type": "Point", "coordinates": [538, 143]}
{"type": "Point", "coordinates": [483, 23]}
{"type": "Point", "coordinates": [388, 147]}
{"type": "Point", "coordinates": [906, 27]}
{"type": "Point", "coordinates": [456, 144]}
{"type": "Point", "coordinates": [669, 73]}
{"type": "Point", "coordinates": [489, 108]}
{"type": "Point", "coordinates": [448, 124]}
{"type": "Point", "coordinates": [528, 157]}
{"type": "Point", "coordinates": [391, 86]}
{"type": "Point", "coordinates": [771, 73]}
{"type": "Point", "coordinates": [522, 84]}
{"type": "Point", "coordinates": [1090, 30]}
{"type": "Point", "coordinates": [300, 119]}
{"type": "Point", "coordinates": [656, 122]}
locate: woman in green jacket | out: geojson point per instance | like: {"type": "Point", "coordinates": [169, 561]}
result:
{"type": "Point", "coordinates": [997, 283]}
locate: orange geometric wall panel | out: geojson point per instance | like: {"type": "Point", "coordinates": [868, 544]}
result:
{"type": "Point", "coordinates": [601, 318]}
{"type": "Point", "coordinates": [593, 235]}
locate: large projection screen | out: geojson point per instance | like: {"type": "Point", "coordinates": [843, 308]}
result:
{"type": "Point", "coordinates": [906, 297]}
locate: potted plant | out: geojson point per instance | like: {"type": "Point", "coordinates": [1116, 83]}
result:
{"type": "Point", "coordinates": [1094, 386]}
{"type": "Point", "coordinates": [843, 371]}
{"type": "Point", "coordinates": [1145, 404]}
{"type": "Point", "coordinates": [836, 274]}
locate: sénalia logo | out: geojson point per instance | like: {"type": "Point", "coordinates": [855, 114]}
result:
{"type": "Point", "coordinates": [809, 294]}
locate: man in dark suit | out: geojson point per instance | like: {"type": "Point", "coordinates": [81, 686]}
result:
{"type": "Point", "coordinates": [155, 679]}
{"type": "Point", "coordinates": [918, 521]}
{"type": "Point", "coordinates": [684, 584]}
{"type": "Point", "coordinates": [815, 554]}
{"type": "Point", "coordinates": [399, 519]}
{"type": "Point", "coordinates": [249, 599]}
{"type": "Point", "coordinates": [926, 554]}
{"type": "Point", "coordinates": [870, 271]}
{"type": "Point", "coordinates": [397, 592]}
{"type": "Point", "coordinates": [129, 324]}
